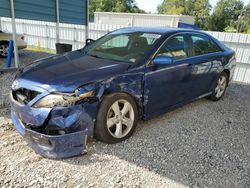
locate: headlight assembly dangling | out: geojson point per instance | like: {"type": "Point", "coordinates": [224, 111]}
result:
{"type": "Point", "coordinates": [61, 100]}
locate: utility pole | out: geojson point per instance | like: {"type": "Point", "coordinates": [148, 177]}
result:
{"type": "Point", "coordinates": [0, 24]}
{"type": "Point", "coordinates": [57, 22]}
{"type": "Point", "coordinates": [87, 21]}
{"type": "Point", "coordinates": [14, 33]}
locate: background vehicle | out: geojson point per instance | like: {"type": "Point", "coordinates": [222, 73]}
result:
{"type": "Point", "coordinates": [4, 43]}
{"type": "Point", "coordinates": [103, 89]}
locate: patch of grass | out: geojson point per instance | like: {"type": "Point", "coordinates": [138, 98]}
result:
{"type": "Point", "coordinates": [39, 49]}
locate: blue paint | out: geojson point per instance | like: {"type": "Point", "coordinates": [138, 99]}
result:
{"type": "Point", "coordinates": [163, 60]}
{"type": "Point", "coordinates": [57, 147]}
{"type": "Point", "coordinates": [18, 124]}
{"type": "Point", "coordinates": [53, 146]}
{"type": "Point", "coordinates": [75, 121]}
{"type": "Point", "coordinates": [155, 88]}
{"type": "Point", "coordinates": [188, 26]}
{"type": "Point", "coordinates": [26, 113]}
{"type": "Point", "coordinates": [10, 53]}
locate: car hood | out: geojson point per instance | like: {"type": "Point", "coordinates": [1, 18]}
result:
{"type": "Point", "coordinates": [67, 72]}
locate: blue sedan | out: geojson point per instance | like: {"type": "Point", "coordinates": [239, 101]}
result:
{"type": "Point", "coordinates": [103, 89]}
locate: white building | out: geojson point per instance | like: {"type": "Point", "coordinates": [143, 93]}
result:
{"type": "Point", "coordinates": [133, 19]}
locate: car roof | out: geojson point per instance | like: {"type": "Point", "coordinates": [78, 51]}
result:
{"type": "Point", "coordinates": [159, 30]}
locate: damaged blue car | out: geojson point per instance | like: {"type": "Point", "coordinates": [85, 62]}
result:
{"type": "Point", "coordinates": [103, 89]}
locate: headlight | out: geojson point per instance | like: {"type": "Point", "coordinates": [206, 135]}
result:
{"type": "Point", "coordinates": [61, 100]}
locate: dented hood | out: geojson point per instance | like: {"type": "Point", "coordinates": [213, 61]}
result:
{"type": "Point", "coordinates": [67, 72]}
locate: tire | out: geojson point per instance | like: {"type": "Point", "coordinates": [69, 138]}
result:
{"type": "Point", "coordinates": [220, 87]}
{"type": "Point", "coordinates": [4, 47]}
{"type": "Point", "coordinates": [112, 125]}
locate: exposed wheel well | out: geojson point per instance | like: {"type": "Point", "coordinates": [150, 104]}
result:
{"type": "Point", "coordinates": [227, 72]}
{"type": "Point", "coordinates": [136, 100]}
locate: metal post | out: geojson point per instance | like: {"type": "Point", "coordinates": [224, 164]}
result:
{"type": "Point", "coordinates": [0, 23]}
{"type": "Point", "coordinates": [87, 21]}
{"type": "Point", "coordinates": [133, 20]}
{"type": "Point", "coordinates": [57, 21]}
{"type": "Point", "coordinates": [47, 36]}
{"type": "Point", "coordinates": [14, 33]}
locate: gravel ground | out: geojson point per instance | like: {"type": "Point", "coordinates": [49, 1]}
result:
{"type": "Point", "coordinates": [6, 78]}
{"type": "Point", "coordinates": [25, 57]}
{"type": "Point", "coordinates": [203, 144]}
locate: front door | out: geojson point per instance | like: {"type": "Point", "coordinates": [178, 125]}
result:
{"type": "Point", "coordinates": [169, 85]}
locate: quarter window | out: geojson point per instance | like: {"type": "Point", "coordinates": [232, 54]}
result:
{"type": "Point", "coordinates": [203, 45]}
{"type": "Point", "coordinates": [175, 47]}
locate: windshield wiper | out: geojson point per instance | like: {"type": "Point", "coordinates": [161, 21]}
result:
{"type": "Point", "coordinates": [96, 56]}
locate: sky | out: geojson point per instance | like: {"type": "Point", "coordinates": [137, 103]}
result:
{"type": "Point", "coordinates": [151, 5]}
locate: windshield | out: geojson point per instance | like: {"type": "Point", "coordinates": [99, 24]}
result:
{"type": "Point", "coordinates": [128, 47]}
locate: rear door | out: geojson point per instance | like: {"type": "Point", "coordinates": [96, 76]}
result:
{"type": "Point", "coordinates": [206, 58]}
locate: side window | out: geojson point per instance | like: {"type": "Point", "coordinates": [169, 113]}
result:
{"type": "Point", "coordinates": [175, 47]}
{"type": "Point", "coordinates": [203, 45]}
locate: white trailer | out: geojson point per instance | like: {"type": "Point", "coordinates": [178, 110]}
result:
{"type": "Point", "coordinates": [132, 19]}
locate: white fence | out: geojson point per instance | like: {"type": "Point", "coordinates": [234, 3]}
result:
{"type": "Point", "coordinates": [44, 35]}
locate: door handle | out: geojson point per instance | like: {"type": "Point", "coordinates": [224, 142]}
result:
{"type": "Point", "coordinates": [192, 67]}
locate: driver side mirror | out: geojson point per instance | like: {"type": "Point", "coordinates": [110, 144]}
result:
{"type": "Point", "coordinates": [89, 41]}
{"type": "Point", "coordinates": [163, 60]}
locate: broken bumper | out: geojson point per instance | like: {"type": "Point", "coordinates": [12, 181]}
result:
{"type": "Point", "coordinates": [52, 146]}
{"type": "Point", "coordinates": [76, 122]}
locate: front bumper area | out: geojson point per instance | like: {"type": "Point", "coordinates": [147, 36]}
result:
{"type": "Point", "coordinates": [41, 128]}
{"type": "Point", "coordinates": [53, 146]}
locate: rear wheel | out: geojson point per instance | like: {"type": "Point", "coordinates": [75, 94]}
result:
{"type": "Point", "coordinates": [116, 119]}
{"type": "Point", "coordinates": [220, 87]}
{"type": "Point", "coordinates": [4, 48]}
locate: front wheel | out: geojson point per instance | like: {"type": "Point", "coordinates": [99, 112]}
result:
{"type": "Point", "coordinates": [116, 119]}
{"type": "Point", "coordinates": [220, 87]}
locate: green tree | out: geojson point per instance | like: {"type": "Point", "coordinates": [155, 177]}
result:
{"type": "Point", "coordinates": [200, 10]}
{"type": "Point", "coordinates": [172, 7]}
{"type": "Point", "coordinates": [113, 6]}
{"type": "Point", "coordinates": [225, 14]}
{"type": "Point", "coordinates": [197, 8]}
{"type": "Point", "coordinates": [243, 23]}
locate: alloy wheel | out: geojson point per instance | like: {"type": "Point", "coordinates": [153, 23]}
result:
{"type": "Point", "coordinates": [221, 86]}
{"type": "Point", "coordinates": [120, 118]}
